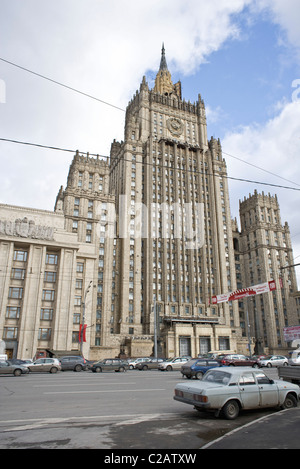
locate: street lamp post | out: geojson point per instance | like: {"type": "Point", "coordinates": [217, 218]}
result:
{"type": "Point", "coordinates": [83, 318]}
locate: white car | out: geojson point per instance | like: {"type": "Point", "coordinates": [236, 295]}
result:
{"type": "Point", "coordinates": [51, 365]}
{"type": "Point", "coordinates": [273, 360]}
{"type": "Point", "coordinates": [173, 363]}
{"type": "Point", "coordinates": [295, 358]}
{"type": "Point", "coordinates": [132, 364]}
{"type": "Point", "coordinates": [227, 390]}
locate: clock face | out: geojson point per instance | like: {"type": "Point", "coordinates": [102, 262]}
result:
{"type": "Point", "coordinates": [175, 126]}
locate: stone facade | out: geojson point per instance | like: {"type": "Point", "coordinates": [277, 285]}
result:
{"type": "Point", "coordinates": [39, 262]}
{"type": "Point", "coordinates": [265, 249]}
{"type": "Point", "coordinates": [151, 231]}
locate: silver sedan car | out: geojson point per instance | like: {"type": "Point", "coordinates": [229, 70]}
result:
{"type": "Point", "coordinates": [8, 368]}
{"type": "Point", "coordinates": [173, 364]}
{"type": "Point", "coordinates": [273, 360]}
{"type": "Point", "coordinates": [51, 365]}
{"type": "Point", "coordinates": [227, 390]}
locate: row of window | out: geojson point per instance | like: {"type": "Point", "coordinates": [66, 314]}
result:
{"type": "Point", "coordinates": [20, 255]}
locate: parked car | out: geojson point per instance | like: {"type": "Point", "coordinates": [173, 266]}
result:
{"type": "Point", "coordinates": [75, 363]}
{"type": "Point", "coordinates": [173, 363]}
{"type": "Point", "coordinates": [109, 364]}
{"type": "Point", "coordinates": [295, 358]}
{"type": "Point", "coordinates": [8, 368]}
{"type": "Point", "coordinates": [215, 354]}
{"type": "Point", "coordinates": [197, 367]}
{"type": "Point", "coordinates": [18, 361]}
{"type": "Point", "coordinates": [227, 390]}
{"type": "Point", "coordinates": [150, 364]}
{"type": "Point", "coordinates": [50, 365]}
{"type": "Point", "coordinates": [133, 363]}
{"type": "Point", "coordinates": [273, 360]}
{"type": "Point", "coordinates": [239, 360]}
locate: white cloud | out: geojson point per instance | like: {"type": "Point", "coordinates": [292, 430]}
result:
{"type": "Point", "coordinates": [101, 48]}
{"type": "Point", "coordinates": [286, 13]}
{"type": "Point", "coordinates": [273, 147]}
{"type": "Point", "coordinates": [104, 48]}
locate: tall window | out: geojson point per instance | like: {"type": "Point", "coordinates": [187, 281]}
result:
{"type": "Point", "coordinates": [20, 256]}
{"type": "Point", "coordinates": [51, 259]}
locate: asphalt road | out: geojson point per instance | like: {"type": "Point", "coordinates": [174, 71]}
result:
{"type": "Point", "coordinates": [132, 410]}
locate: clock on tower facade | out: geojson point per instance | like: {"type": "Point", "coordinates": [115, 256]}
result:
{"type": "Point", "coordinates": [166, 171]}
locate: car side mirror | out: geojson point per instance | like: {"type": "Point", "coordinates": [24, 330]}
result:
{"type": "Point", "coordinates": [271, 381]}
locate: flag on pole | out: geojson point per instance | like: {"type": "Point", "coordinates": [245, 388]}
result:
{"type": "Point", "coordinates": [82, 333]}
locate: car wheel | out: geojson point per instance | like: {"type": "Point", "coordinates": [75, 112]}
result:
{"type": "Point", "coordinates": [130, 367]}
{"type": "Point", "coordinates": [269, 365]}
{"type": "Point", "coordinates": [231, 410]}
{"type": "Point", "coordinates": [53, 369]}
{"type": "Point", "coordinates": [289, 402]}
{"type": "Point", "coordinates": [169, 368]}
{"type": "Point", "coordinates": [285, 364]}
{"type": "Point", "coordinates": [98, 369]}
{"type": "Point", "coordinates": [122, 369]}
{"type": "Point", "coordinates": [199, 375]}
{"type": "Point", "coordinates": [17, 372]}
{"type": "Point", "coordinates": [78, 368]}
{"type": "Point", "coordinates": [145, 367]}
{"type": "Point", "coordinates": [255, 365]}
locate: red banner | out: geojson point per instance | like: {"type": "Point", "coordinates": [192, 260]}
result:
{"type": "Point", "coordinates": [82, 333]}
{"type": "Point", "coordinates": [238, 294]}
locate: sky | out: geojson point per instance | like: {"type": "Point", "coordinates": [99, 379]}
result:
{"type": "Point", "coordinates": [242, 56]}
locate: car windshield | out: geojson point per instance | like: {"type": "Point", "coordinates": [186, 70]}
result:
{"type": "Point", "coordinates": [220, 377]}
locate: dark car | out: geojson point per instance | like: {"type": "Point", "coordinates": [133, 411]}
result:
{"type": "Point", "coordinates": [197, 367]}
{"type": "Point", "coordinates": [150, 364]}
{"type": "Point", "coordinates": [8, 368]}
{"type": "Point", "coordinates": [73, 363]}
{"type": "Point", "coordinates": [239, 360]}
{"type": "Point", "coordinates": [110, 364]}
{"type": "Point", "coordinates": [17, 361]}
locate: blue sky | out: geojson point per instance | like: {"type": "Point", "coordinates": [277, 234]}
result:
{"type": "Point", "coordinates": [242, 56]}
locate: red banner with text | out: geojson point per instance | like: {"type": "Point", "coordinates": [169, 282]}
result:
{"type": "Point", "coordinates": [238, 294]}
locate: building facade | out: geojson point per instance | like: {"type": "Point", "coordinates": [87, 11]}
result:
{"type": "Point", "coordinates": [265, 251]}
{"type": "Point", "coordinates": [170, 177]}
{"type": "Point", "coordinates": [136, 247]}
{"type": "Point", "coordinates": [41, 264]}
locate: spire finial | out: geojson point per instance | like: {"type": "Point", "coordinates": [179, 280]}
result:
{"type": "Point", "coordinates": [163, 62]}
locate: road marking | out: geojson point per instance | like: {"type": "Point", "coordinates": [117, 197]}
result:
{"type": "Point", "coordinates": [78, 384]}
{"type": "Point", "coordinates": [102, 391]}
{"type": "Point", "coordinates": [117, 420]}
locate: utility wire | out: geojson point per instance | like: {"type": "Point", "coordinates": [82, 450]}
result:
{"type": "Point", "coordinates": [161, 166]}
{"type": "Point", "coordinates": [123, 110]}
{"type": "Point", "coordinates": [51, 148]}
{"type": "Point", "coordinates": [62, 84]}
{"type": "Point", "coordinates": [258, 167]}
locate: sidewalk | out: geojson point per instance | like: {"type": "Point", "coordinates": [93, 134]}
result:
{"type": "Point", "coordinates": [276, 431]}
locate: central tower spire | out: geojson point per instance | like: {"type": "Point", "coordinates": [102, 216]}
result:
{"type": "Point", "coordinates": [163, 80]}
{"type": "Point", "coordinates": [163, 62]}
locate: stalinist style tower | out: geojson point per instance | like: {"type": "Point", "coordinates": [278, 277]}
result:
{"type": "Point", "coordinates": [174, 237]}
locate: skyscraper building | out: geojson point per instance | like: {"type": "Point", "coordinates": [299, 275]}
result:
{"type": "Point", "coordinates": [265, 252]}
{"type": "Point", "coordinates": [138, 246]}
{"type": "Point", "coordinates": [176, 251]}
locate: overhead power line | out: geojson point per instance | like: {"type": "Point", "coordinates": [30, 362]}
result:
{"type": "Point", "coordinates": [61, 84]}
{"type": "Point", "coordinates": [52, 148]}
{"type": "Point", "coordinates": [151, 164]}
{"type": "Point", "coordinates": [123, 110]}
